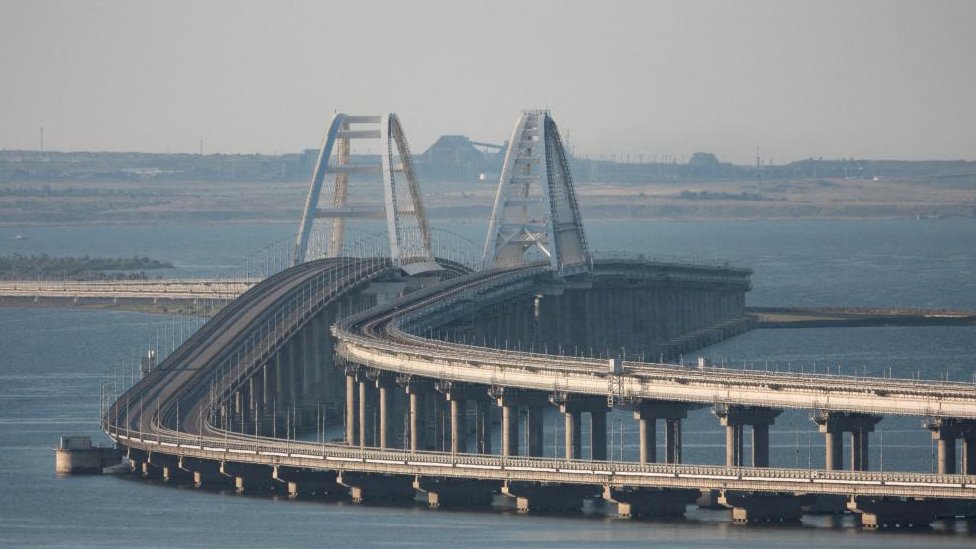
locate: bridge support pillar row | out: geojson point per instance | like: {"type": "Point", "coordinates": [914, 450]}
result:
{"type": "Point", "coordinates": [945, 431]}
{"type": "Point", "coordinates": [834, 424]}
{"type": "Point", "coordinates": [734, 418]}
{"type": "Point", "coordinates": [648, 412]}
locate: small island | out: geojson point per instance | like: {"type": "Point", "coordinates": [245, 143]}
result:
{"type": "Point", "coordinates": [45, 267]}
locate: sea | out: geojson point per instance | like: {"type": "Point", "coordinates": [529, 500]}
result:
{"type": "Point", "coordinates": [53, 362]}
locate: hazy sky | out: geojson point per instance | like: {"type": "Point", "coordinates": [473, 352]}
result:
{"type": "Point", "coordinates": [868, 79]}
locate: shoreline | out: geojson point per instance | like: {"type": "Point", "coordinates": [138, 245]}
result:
{"type": "Point", "coordinates": [785, 317]}
{"type": "Point", "coordinates": [855, 317]}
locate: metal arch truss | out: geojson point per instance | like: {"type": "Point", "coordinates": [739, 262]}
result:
{"type": "Point", "coordinates": [407, 227]}
{"type": "Point", "coordinates": [535, 206]}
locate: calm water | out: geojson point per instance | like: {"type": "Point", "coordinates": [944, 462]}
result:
{"type": "Point", "coordinates": [51, 362]}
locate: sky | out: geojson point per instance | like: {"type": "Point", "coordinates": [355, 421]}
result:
{"type": "Point", "coordinates": [835, 79]}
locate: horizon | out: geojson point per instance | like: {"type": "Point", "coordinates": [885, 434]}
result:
{"type": "Point", "coordinates": [875, 79]}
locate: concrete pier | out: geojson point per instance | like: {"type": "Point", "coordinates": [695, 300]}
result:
{"type": "Point", "coordinates": [946, 431]}
{"type": "Point", "coordinates": [650, 502]}
{"type": "Point", "coordinates": [539, 497]}
{"type": "Point", "coordinates": [881, 512]}
{"type": "Point", "coordinates": [734, 418]}
{"type": "Point", "coordinates": [572, 406]}
{"type": "Point", "coordinates": [204, 473]}
{"type": "Point", "coordinates": [510, 402]}
{"type": "Point", "coordinates": [303, 482]}
{"type": "Point", "coordinates": [248, 477]}
{"type": "Point", "coordinates": [753, 508]}
{"type": "Point", "coordinates": [416, 391]}
{"type": "Point", "coordinates": [647, 412]}
{"type": "Point", "coordinates": [77, 456]}
{"type": "Point", "coordinates": [444, 492]}
{"type": "Point", "coordinates": [384, 386]}
{"type": "Point", "coordinates": [833, 425]}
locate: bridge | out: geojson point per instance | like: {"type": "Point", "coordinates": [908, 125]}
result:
{"type": "Point", "coordinates": [148, 289]}
{"type": "Point", "coordinates": [439, 376]}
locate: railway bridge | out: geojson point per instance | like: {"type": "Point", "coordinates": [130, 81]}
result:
{"type": "Point", "coordinates": [439, 377]}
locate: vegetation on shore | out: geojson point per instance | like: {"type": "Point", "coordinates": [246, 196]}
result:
{"type": "Point", "coordinates": [45, 267]}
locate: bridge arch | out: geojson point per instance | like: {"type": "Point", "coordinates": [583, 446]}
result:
{"type": "Point", "coordinates": [337, 168]}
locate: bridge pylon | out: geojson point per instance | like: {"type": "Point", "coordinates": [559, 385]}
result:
{"type": "Point", "coordinates": [535, 205]}
{"type": "Point", "coordinates": [337, 168]}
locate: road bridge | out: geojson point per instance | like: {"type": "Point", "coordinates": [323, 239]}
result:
{"type": "Point", "coordinates": [404, 357]}
{"type": "Point", "coordinates": [183, 413]}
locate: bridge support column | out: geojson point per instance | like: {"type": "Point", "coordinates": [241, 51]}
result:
{"type": "Point", "coordinates": [384, 385]}
{"type": "Point", "coordinates": [734, 418]}
{"type": "Point", "coordinates": [365, 487]}
{"type": "Point", "coordinates": [572, 436]}
{"type": "Point", "coordinates": [459, 439]}
{"type": "Point", "coordinates": [352, 409]}
{"type": "Point", "coordinates": [366, 398]}
{"type": "Point", "coordinates": [834, 450]}
{"type": "Point", "coordinates": [458, 394]}
{"type": "Point", "coordinates": [650, 502]}
{"type": "Point", "coordinates": [834, 424]}
{"type": "Point", "coordinates": [969, 456]}
{"type": "Point", "coordinates": [945, 431]}
{"type": "Point", "coordinates": [534, 426]}
{"type": "Point", "coordinates": [647, 433]}
{"type": "Point", "coordinates": [509, 401]}
{"type": "Point", "coordinates": [482, 427]}
{"type": "Point", "coordinates": [647, 412]}
{"type": "Point", "coordinates": [672, 440]}
{"type": "Point", "coordinates": [416, 390]}
{"type": "Point", "coordinates": [571, 407]}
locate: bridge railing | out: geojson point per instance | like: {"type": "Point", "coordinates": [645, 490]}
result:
{"type": "Point", "coordinates": [231, 446]}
